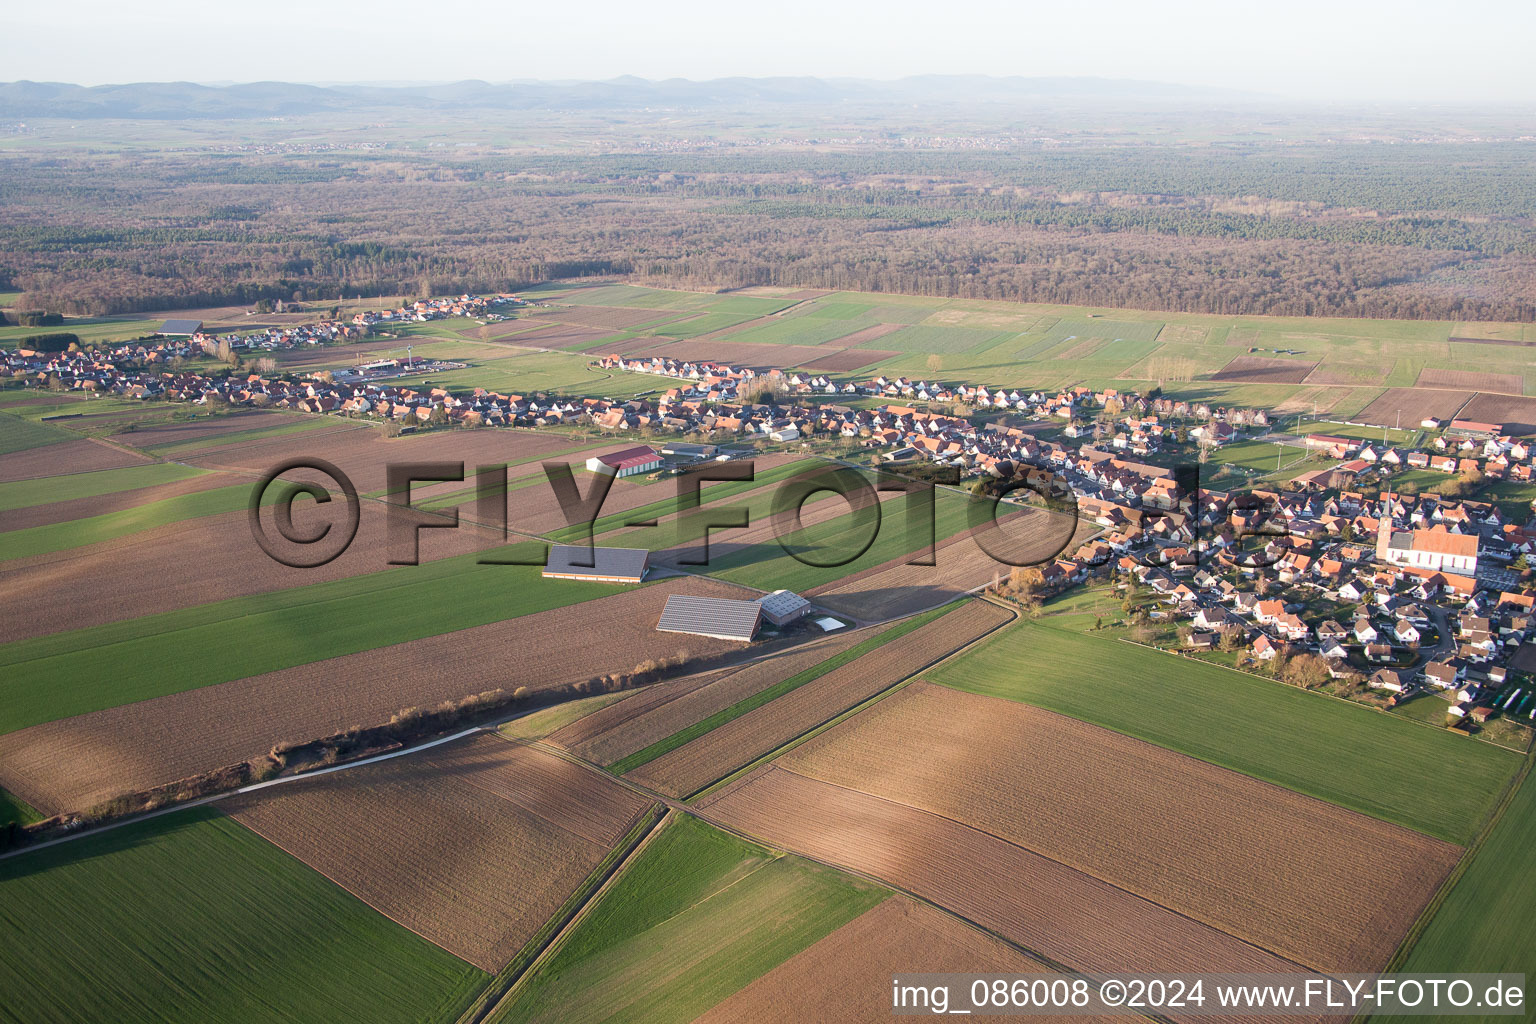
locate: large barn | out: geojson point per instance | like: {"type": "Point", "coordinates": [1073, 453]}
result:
{"type": "Point", "coordinates": [711, 616]}
{"type": "Point", "coordinates": [601, 565]}
{"type": "Point", "coordinates": [179, 328]}
{"type": "Point", "coordinates": [627, 462]}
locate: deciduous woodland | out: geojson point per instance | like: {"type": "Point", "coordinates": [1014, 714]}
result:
{"type": "Point", "coordinates": [1437, 230]}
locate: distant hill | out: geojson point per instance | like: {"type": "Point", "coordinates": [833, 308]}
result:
{"type": "Point", "coordinates": [183, 100]}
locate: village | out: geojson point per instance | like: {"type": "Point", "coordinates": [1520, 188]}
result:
{"type": "Point", "coordinates": [1334, 577]}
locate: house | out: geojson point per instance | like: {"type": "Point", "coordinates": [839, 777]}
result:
{"type": "Point", "coordinates": [1442, 674]}
{"type": "Point", "coordinates": [1365, 633]}
{"type": "Point", "coordinates": [626, 462]}
{"type": "Point", "coordinates": [1386, 679]}
{"type": "Point", "coordinates": [1406, 632]}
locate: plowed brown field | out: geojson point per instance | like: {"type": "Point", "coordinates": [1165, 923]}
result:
{"type": "Point", "coordinates": [720, 751]}
{"type": "Point", "coordinates": [846, 976]}
{"type": "Point", "coordinates": [848, 360]}
{"type": "Point", "coordinates": [1269, 865]}
{"type": "Point", "coordinates": [1063, 915]}
{"type": "Point", "coordinates": [553, 335]}
{"type": "Point", "coordinates": [84, 456]}
{"type": "Point", "coordinates": [1264, 370]}
{"type": "Point", "coordinates": [648, 724]}
{"type": "Point", "coordinates": [75, 762]}
{"type": "Point", "coordinates": [213, 427]}
{"type": "Point", "coordinates": [1405, 407]}
{"type": "Point", "coordinates": [1518, 415]}
{"type": "Point", "coordinates": [472, 846]}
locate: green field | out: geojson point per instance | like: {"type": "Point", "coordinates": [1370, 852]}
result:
{"type": "Point", "coordinates": [14, 809]}
{"type": "Point", "coordinates": [39, 540]}
{"type": "Point", "coordinates": [1376, 763]}
{"type": "Point", "coordinates": [192, 917]}
{"type": "Point", "coordinates": [1039, 345]}
{"type": "Point", "coordinates": [769, 567]}
{"type": "Point", "coordinates": [64, 674]}
{"type": "Point", "coordinates": [774, 692]}
{"type": "Point", "coordinates": [697, 915]}
{"type": "Point", "coordinates": [542, 723]}
{"type": "Point", "coordinates": [19, 435]}
{"type": "Point", "coordinates": [800, 330]}
{"type": "Point", "coordinates": [1488, 920]}
{"type": "Point", "coordinates": [563, 372]}
{"type": "Point", "coordinates": [25, 493]}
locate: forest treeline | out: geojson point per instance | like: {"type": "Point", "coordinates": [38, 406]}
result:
{"type": "Point", "coordinates": [1439, 231]}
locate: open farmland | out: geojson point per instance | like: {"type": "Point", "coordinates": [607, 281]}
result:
{"type": "Point", "coordinates": [694, 765]}
{"type": "Point", "coordinates": [1488, 919]}
{"type": "Point", "coordinates": [192, 917]}
{"type": "Point", "coordinates": [846, 976]}
{"type": "Point", "coordinates": [694, 917]}
{"type": "Point", "coordinates": [210, 431]}
{"type": "Point", "coordinates": [472, 846]}
{"type": "Point", "coordinates": [1518, 415]}
{"type": "Point", "coordinates": [1405, 407]}
{"type": "Point", "coordinates": [960, 566]}
{"type": "Point", "coordinates": [1059, 915]}
{"type": "Point", "coordinates": [81, 455]}
{"type": "Point", "coordinates": [685, 702]}
{"type": "Point", "coordinates": [75, 761]}
{"type": "Point", "coordinates": [1252, 859]}
{"type": "Point", "coordinates": [1470, 380]}
{"type": "Point", "coordinates": [1341, 752]}
{"type": "Point", "coordinates": [116, 505]}
{"type": "Point", "coordinates": [74, 486]}
{"type": "Point", "coordinates": [64, 589]}
{"type": "Point", "coordinates": [1263, 370]}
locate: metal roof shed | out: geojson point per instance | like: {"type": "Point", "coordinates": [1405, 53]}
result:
{"type": "Point", "coordinates": [711, 617]}
{"type": "Point", "coordinates": [607, 565]}
{"type": "Point", "coordinates": [180, 328]}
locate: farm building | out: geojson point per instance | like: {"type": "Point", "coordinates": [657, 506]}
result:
{"type": "Point", "coordinates": [783, 607]}
{"type": "Point", "coordinates": [711, 616]}
{"type": "Point", "coordinates": [626, 462]}
{"type": "Point", "coordinates": [180, 328]}
{"type": "Point", "coordinates": [602, 565]}
{"type": "Point", "coordinates": [689, 450]}
{"type": "Point", "coordinates": [1472, 428]}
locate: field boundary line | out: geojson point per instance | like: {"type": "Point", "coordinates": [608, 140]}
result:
{"type": "Point", "coordinates": [654, 825]}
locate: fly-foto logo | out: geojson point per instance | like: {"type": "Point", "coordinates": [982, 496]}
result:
{"type": "Point", "coordinates": [298, 521]}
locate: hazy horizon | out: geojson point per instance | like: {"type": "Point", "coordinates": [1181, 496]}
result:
{"type": "Point", "coordinates": [1366, 52]}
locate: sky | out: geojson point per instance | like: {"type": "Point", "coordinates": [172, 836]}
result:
{"type": "Point", "coordinates": [1475, 51]}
